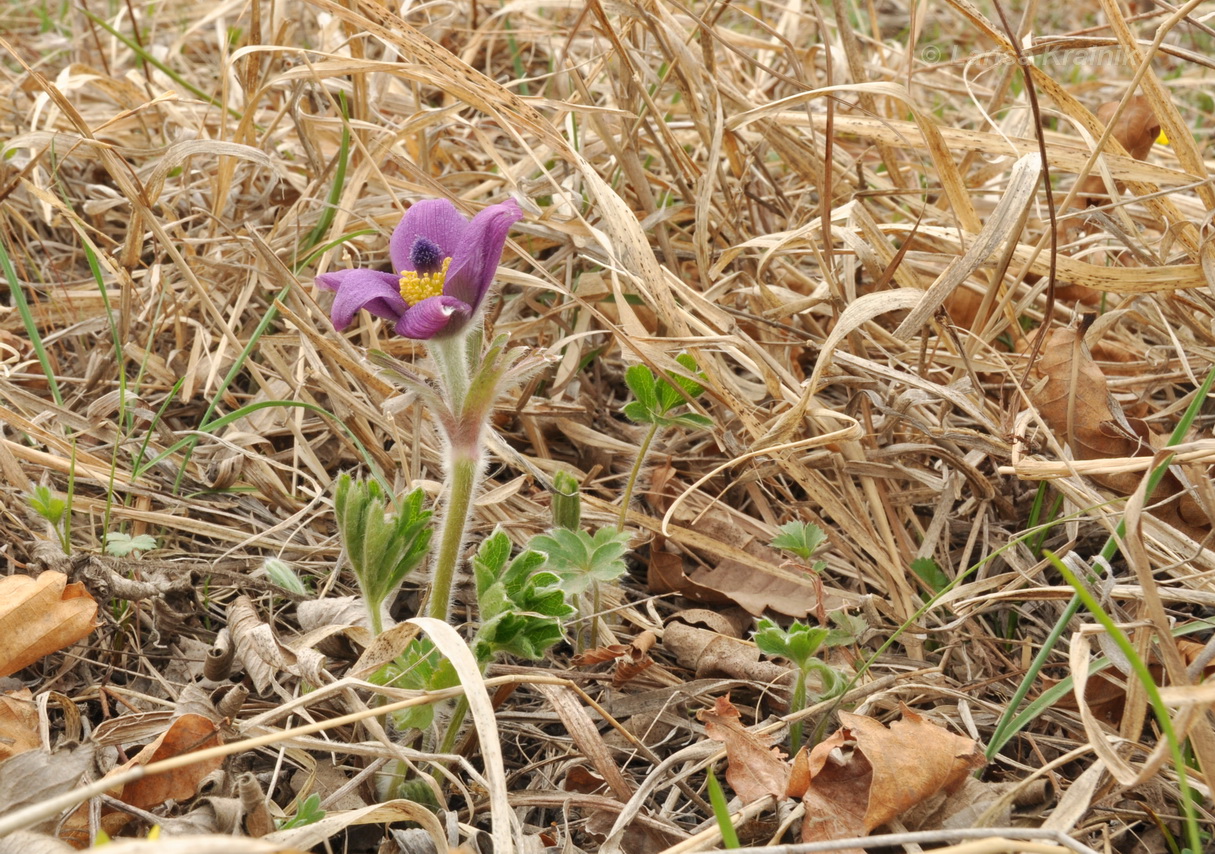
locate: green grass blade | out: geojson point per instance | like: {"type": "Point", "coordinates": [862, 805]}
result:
{"type": "Point", "coordinates": [27, 320]}
{"type": "Point", "coordinates": [729, 836]}
{"type": "Point", "coordinates": [233, 372]}
{"type": "Point", "coordinates": [144, 56]}
{"type": "Point", "coordinates": [335, 190]}
{"type": "Point", "coordinates": [1003, 733]}
{"type": "Point", "coordinates": [1153, 692]}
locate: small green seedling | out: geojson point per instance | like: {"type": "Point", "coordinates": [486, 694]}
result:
{"type": "Point", "coordinates": [122, 545]}
{"type": "Point", "coordinates": [930, 572]}
{"type": "Point", "coordinates": [567, 501]}
{"type": "Point", "coordinates": [657, 399]}
{"type": "Point", "coordinates": [802, 540]}
{"type": "Point", "coordinates": [657, 404]}
{"type": "Point", "coordinates": [800, 644]}
{"type": "Point", "coordinates": [721, 812]}
{"type": "Point", "coordinates": [308, 812]}
{"type": "Point", "coordinates": [283, 575]}
{"type": "Point", "coordinates": [54, 510]}
{"type": "Point", "coordinates": [382, 547]}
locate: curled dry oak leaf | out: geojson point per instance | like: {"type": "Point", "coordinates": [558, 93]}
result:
{"type": "Point", "coordinates": [711, 653]}
{"type": "Point", "coordinates": [39, 616]}
{"type": "Point", "coordinates": [865, 775]}
{"type": "Point", "coordinates": [1075, 402]}
{"type": "Point", "coordinates": [263, 655]}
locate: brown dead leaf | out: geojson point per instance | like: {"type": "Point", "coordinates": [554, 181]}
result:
{"type": "Point", "coordinates": [599, 654]}
{"type": "Point", "coordinates": [799, 775]}
{"type": "Point", "coordinates": [1075, 402]}
{"type": "Point", "coordinates": [864, 775]}
{"type": "Point", "coordinates": [40, 616]}
{"type": "Point", "coordinates": [1137, 129]}
{"type": "Point", "coordinates": [631, 658]}
{"type": "Point", "coordinates": [1104, 694]}
{"type": "Point", "coordinates": [1074, 399]}
{"type": "Point", "coordinates": [383, 648]}
{"type": "Point", "coordinates": [666, 574]}
{"type": "Point", "coordinates": [18, 723]}
{"type": "Point", "coordinates": [186, 734]}
{"type": "Point", "coordinates": [1190, 652]}
{"type": "Point", "coordinates": [755, 767]}
{"type": "Point", "coordinates": [627, 670]}
{"type": "Point", "coordinates": [583, 780]}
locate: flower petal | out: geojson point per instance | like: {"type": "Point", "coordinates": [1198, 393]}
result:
{"type": "Point", "coordinates": [433, 316]}
{"type": "Point", "coordinates": [476, 258]}
{"type": "Point", "coordinates": [435, 219]}
{"type": "Point", "coordinates": [371, 290]}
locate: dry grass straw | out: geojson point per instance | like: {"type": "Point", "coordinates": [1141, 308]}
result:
{"type": "Point", "coordinates": [792, 199]}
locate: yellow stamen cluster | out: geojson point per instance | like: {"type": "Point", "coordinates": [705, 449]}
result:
{"type": "Point", "coordinates": [415, 288]}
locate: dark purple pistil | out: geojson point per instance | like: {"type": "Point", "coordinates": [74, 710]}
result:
{"type": "Point", "coordinates": [425, 255]}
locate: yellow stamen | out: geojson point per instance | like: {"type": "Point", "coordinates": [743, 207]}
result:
{"type": "Point", "coordinates": [415, 288]}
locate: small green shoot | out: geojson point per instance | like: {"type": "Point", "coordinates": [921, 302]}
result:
{"type": "Point", "coordinates": [283, 575]}
{"type": "Point", "coordinates": [382, 547]}
{"type": "Point", "coordinates": [122, 545]}
{"type": "Point", "coordinates": [928, 571]}
{"type": "Point", "coordinates": [657, 398]}
{"type": "Point", "coordinates": [655, 404]}
{"type": "Point", "coordinates": [802, 540]}
{"type": "Point", "coordinates": [308, 812]}
{"type": "Point", "coordinates": [721, 812]}
{"type": "Point", "coordinates": [567, 501]}
{"type": "Point", "coordinates": [419, 668]}
{"type": "Point", "coordinates": [799, 644]}
{"type": "Point", "coordinates": [582, 561]}
{"type": "Point", "coordinates": [54, 510]}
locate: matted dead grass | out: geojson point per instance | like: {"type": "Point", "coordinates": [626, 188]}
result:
{"type": "Point", "coordinates": [838, 211]}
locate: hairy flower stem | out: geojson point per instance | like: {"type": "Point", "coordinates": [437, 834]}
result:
{"type": "Point", "coordinates": [642, 453]}
{"type": "Point", "coordinates": [451, 358]}
{"type": "Point", "coordinates": [797, 702]}
{"type": "Point", "coordinates": [462, 471]}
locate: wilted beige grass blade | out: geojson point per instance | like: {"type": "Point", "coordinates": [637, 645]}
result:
{"type": "Point", "coordinates": [455, 650]}
{"type": "Point", "coordinates": [1017, 195]}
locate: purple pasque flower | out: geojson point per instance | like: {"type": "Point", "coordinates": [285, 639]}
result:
{"type": "Point", "coordinates": [443, 266]}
